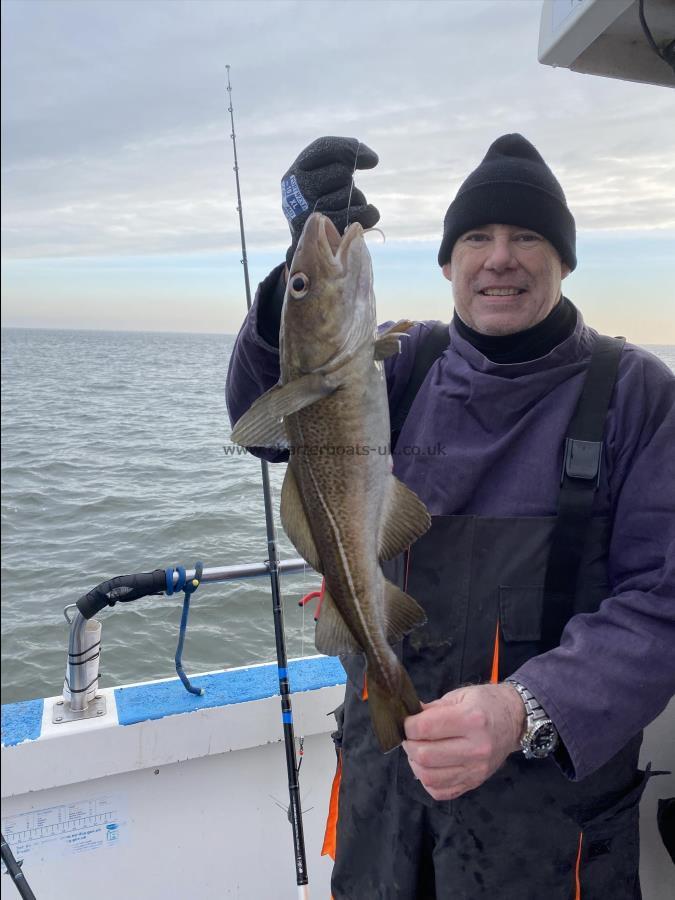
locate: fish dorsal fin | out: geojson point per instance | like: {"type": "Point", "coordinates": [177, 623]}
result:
{"type": "Point", "coordinates": [294, 520]}
{"type": "Point", "coordinates": [405, 519]}
{"type": "Point", "coordinates": [262, 425]}
{"type": "Point", "coordinates": [332, 635]}
{"type": "Point", "coordinates": [401, 612]}
{"type": "Point", "coordinates": [389, 342]}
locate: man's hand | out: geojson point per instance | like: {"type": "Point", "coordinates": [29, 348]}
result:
{"type": "Point", "coordinates": [458, 741]}
{"type": "Point", "coordinates": [321, 180]}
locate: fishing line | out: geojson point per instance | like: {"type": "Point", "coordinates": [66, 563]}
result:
{"type": "Point", "coordinates": [301, 716]}
{"type": "Point", "coordinates": [351, 188]}
{"type": "Point", "coordinates": [302, 632]}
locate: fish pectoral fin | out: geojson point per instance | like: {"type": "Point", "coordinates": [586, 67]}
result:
{"type": "Point", "coordinates": [389, 342]}
{"type": "Point", "coordinates": [262, 425]}
{"type": "Point", "coordinates": [405, 519]}
{"type": "Point", "coordinates": [388, 710]}
{"type": "Point", "coordinates": [294, 520]}
{"type": "Point", "coordinates": [332, 635]}
{"type": "Point", "coordinates": [401, 612]}
{"type": "Point", "coordinates": [387, 346]}
{"type": "Point", "coordinates": [402, 326]}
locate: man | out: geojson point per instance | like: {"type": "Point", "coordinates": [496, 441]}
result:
{"type": "Point", "coordinates": [526, 788]}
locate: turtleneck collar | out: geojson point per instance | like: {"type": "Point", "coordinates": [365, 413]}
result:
{"type": "Point", "coordinates": [523, 346]}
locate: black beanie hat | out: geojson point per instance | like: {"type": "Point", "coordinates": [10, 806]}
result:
{"type": "Point", "coordinates": [512, 186]}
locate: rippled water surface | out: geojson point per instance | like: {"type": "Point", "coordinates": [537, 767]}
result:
{"type": "Point", "coordinates": [113, 462]}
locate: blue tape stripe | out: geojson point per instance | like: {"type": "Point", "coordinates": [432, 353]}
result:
{"type": "Point", "coordinates": [21, 722]}
{"type": "Point", "coordinates": [156, 700]}
{"type": "Point", "coordinates": [287, 718]}
{"type": "Point", "coordinates": [283, 673]}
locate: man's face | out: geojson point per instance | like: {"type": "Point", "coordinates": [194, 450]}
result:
{"type": "Point", "coordinates": [504, 279]}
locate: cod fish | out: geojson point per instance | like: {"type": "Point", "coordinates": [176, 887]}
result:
{"type": "Point", "coordinates": [341, 506]}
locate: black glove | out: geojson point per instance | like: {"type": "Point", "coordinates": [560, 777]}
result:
{"type": "Point", "coordinates": [320, 180]}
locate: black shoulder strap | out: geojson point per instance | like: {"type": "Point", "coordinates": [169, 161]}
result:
{"type": "Point", "coordinates": [430, 348]}
{"type": "Point", "coordinates": [582, 459]}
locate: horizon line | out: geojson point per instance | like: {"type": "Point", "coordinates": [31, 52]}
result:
{"type": "Point", "coordinates": [165, 331]}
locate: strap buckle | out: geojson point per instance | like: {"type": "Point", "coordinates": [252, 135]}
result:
{"type": "Point", "coordinates": [582, 460]}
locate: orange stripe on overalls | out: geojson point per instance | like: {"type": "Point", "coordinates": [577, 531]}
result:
{"type": "Point", "coordinates": [330, 837]}
{"type": "Point", "coordinates": [494, 674]}
{"type": "Point", "coordinates": [577, 879]}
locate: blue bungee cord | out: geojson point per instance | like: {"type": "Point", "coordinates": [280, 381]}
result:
{"type": "Point", "coordinates": [188, 588]}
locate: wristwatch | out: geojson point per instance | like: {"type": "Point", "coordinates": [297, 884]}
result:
{"type": "Point", "coordinates": [541, 736]}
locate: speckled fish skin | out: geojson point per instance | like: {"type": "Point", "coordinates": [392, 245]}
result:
{"type": "Point", "coordinates": [340, 456]}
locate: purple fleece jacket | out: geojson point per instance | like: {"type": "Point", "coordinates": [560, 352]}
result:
{"type": "Point", "coordinates": [500, 429]}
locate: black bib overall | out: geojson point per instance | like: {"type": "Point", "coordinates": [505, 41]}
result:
{"type": "Point", "coordinates": [528, 832]}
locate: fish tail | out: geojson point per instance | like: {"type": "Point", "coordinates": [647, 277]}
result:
{"type": "Point", "coordinates": [388, 709]}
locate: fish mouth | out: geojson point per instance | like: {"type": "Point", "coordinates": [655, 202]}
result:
{"type": "Point", "coordinates": [321, 235]}
{"type": "Point", "coordinates": [330, 233]}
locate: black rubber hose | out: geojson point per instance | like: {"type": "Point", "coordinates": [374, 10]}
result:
{"type": "Point", "coordinates": [122, 589]}
{"type": "Point", "coordinates": [15, 871]}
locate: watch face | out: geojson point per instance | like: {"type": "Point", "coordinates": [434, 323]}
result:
{"type": "Point", "coordinates": [544, 739]}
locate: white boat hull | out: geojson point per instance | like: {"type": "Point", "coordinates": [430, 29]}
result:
{"type": "Point", "coordinates": [186, 802]}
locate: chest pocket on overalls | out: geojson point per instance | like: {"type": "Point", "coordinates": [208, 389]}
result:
{"type": "Point", "coordinates": [521, 606]}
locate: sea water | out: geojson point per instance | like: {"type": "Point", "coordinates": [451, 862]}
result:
{"type": "Point", "coordinates": [113, 463]}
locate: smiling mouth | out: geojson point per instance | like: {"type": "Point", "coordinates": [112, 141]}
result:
{"type": "Point", "coordinates": [502, 292]}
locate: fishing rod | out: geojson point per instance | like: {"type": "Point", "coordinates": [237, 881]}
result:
{"type": "Point", "coordinates": [294, 810]}
{"type": "Point", "coordinates": [15, 871]}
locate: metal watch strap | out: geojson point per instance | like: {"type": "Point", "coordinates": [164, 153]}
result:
{"type": "Point", "coordinates": [533, 708]}
{"type": "Point", "coordinates": [536, 715]}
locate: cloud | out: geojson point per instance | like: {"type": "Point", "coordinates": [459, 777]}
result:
{"type": "Point", "coordinates": [116, 131]}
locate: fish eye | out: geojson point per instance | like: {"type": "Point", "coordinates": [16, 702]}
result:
{"type": "Point", "coordinates": [299, 285]}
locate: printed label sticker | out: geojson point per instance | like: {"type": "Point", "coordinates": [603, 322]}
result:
{"type": "Point", "coordinates": [67, 828]}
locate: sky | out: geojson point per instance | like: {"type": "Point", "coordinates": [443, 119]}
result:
{"type": "Point", "coordinates": [118, 193]}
